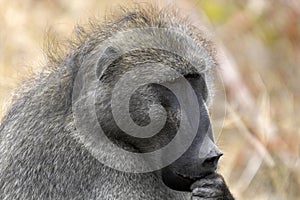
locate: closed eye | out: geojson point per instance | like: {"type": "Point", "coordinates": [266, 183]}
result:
{"type": "Point", "coordinates": [199, 85]}
{"type": "Point", "coordinates": [192, 75]}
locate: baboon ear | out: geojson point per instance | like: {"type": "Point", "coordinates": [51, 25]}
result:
{"type": "Point", "coordinates": [90, 72]}
{"type": "Point", "coordinates": [109, 55]}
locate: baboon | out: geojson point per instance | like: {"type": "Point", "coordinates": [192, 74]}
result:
{"type": "Point", "coordinates": [45, 150]}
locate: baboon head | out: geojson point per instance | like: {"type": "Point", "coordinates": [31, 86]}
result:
{"type": "Point", "coordinates": [151, 83]}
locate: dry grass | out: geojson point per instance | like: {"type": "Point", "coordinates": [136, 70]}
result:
{"type": "Point", "coordinates": [261, 133]}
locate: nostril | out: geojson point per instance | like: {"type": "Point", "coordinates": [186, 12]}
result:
{"type": "Point", "coordinates": [212, 162]}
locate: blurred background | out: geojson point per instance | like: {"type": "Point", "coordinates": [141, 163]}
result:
{"type": "Point", "coordinates": [259, 45]}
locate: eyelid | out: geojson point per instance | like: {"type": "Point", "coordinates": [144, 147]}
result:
{"type": "Point", "coordinates": [187, 76]}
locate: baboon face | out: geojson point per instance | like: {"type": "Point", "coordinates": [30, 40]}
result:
{"type": "Point", "coordinates": [194, 162]}
{"type": "Point", "coordinates": [202, 156]}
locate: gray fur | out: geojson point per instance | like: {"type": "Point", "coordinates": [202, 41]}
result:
{"type": "Point", "coordinates": [41, 155]}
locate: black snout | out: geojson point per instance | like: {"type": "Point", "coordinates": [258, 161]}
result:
{"type": "Point", "coordinates": [179, 176]}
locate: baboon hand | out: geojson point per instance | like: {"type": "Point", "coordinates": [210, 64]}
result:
{"type": "Point", "coordinates": [211, 187]}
